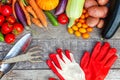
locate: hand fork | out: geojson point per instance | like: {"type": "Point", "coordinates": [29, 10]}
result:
{"type": "Point", "coordinates": [25, 57]}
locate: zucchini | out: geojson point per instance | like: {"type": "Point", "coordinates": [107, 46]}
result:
{"type": "Point", "coordinates": [52, 18]}
{"type": "Point", "coordinates": [112, 20]}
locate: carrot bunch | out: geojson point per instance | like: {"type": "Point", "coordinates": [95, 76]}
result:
{"type": "Point", "coordinates": [32, 12]}
{"type": "Point", "coordinates": [80, 28]}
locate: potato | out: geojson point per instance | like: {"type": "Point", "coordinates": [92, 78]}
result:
{"type": "Point", "coordinates": [102, 2]}
{"type": "Point", "coordinates": [100, 24]}
{"type": "Point", "coordinates": [98, 11]}
{"type": "Point", "coordinates": [105, 9]}
{"type": "Point", "coordinates": [90, 3]}
{"type": "Point", "coordinates": [92, 22]}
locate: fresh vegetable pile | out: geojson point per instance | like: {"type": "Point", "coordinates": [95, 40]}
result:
{"type": "Point", "coordinates": [80, 28]}
{"type": "Point", "coordinates": [81, 16]}
{"type": "Point", "coordinates": [9, 27]}
{"type": "Point", "coordinates": [97, 11]}
{"type": "Point", "coordinates": [91, 16]}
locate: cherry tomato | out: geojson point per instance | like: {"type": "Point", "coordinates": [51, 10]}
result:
{"type": "Point", "coordinates": [62, 18]}
{"type": "Point", "coordinates": [11, 19]}
{"type": "Point", "coordinates": [52, 79]}
{"type": "Point", "coordinates": [6, 10]}
{"type": "Point", "coordinates": [2, 19]}
{"type": "Point", "coordinates": [6, 28]}
{"type": "Point", "coordinates": [0, 6]}
{"type": "Point", "coordinates": [17, 28]}
{"type": "Point", "coordinates": [10, 38]}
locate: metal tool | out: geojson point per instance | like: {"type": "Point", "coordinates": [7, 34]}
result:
{"type": "Point", "coordinates": [29, 56]}
{"type": "Point", "coordinates": [18, 48]}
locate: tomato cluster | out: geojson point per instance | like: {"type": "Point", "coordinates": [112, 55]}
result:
{"type": "Point", "coordinates": [9, 27]}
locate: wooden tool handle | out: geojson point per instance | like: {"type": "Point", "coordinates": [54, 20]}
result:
{"type": "Point", "coordinates": [1, 74]}
{"type": "Point", "coordinates": [1, 61]}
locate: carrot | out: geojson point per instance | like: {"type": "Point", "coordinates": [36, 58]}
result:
{"type": "Point", "coordinates": [25, 11]}
{"type": "Point", "coordinates": [37, 22]}
{"type": "Point", "coordinates": [40, 14]}
{"type": "Point", "coordinates": [31, 11]}
{"type": "Point", "coordinates": [13, 8]}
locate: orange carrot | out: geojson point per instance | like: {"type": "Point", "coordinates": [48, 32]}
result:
{"type": "Point", "coordinates": [37, 22]}
{"type": "Point", "coordinates": [40, 14]}
{"type": "Point", "coordinates": [31, 11]}
{"type": "Point", "coordinates": [13, 8]}
{"type": "Point", "coordinates": [25, 11]}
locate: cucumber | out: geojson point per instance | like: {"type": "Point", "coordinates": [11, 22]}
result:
{"type": "Point", "coordinates": [52, 18]}
{"type": "Point", "coordinates": [112, 20]}
{"type": "Point", "coordinates": [1, 37]}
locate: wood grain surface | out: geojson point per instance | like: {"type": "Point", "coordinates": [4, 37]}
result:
{"type": "Point", "coordinates": [57, 37]}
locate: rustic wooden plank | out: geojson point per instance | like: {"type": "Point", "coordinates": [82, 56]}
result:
{"type": "Point", "coordinates": [60, 32]}
{"type": "Point", "coordinates": [77, 46]}
{"type": "Point", "coordinates": [28, 65]}
{"type": "Point", "coordinates": [45, 74]}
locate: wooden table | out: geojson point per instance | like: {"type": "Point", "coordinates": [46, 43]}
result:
{"type": "Point", "coordinates": [49, 41]}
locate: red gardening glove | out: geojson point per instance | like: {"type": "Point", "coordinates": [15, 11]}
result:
{"type": "Point", "coordinates": [97, 64]}
{"type": "Point", "coordinates": [64, 66]}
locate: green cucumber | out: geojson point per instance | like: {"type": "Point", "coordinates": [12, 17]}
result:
{"type": "Point", "coordinates": [1, 37]}
{"type": "Point", "coordinates": [52, 18]}
{"type": "Point", "coordinates": [112, 22]}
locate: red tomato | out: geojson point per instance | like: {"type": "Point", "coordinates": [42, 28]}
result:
{"type": "Point", "coordinates": [11, 19]}
{"type": "Point", "coordinates": [2, 19]}
{"type": "Point", "coordinates": [10, 38]}
{"type": "Point", "coordinates": [0, 7]}
{"type": "Point", "coordinates": [17, 28]}
{"type": "Point", "coordinates": [62, 18]}
{"type": "Point", "coordinates": [52, 79]}
{"type": "Point", "coordinates": [6, 10]}
{"type": "Point", "coordinates": [6, 28]}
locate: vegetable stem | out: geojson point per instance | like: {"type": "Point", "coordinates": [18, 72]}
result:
{"type": "Point", "coordinates": [25, 2]}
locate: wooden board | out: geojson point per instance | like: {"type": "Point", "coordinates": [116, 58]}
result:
{"type": "Point", "coordinates": [45, 74]}
{"type": "Point", "coordinates": [57, 37]}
